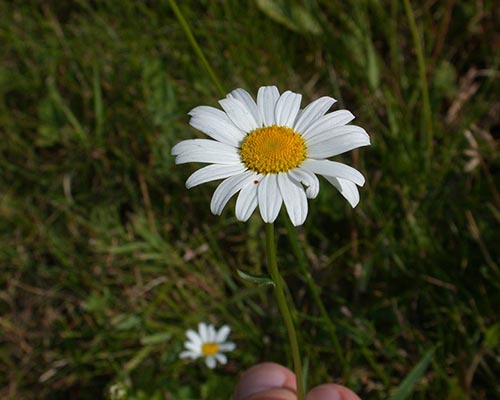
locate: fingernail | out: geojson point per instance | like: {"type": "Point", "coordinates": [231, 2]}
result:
{"type": "Point", "coordinates": [257, 380]}
{"type": "Point", "coordinates": [324, 392]}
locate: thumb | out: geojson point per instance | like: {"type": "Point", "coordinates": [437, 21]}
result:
{"type": "Point", "coordinates": [266, 381]}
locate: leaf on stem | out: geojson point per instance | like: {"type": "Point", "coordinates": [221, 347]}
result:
{"type": "Point", "coordinates": [259, 279]}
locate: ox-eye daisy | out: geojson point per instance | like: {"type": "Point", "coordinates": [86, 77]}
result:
{"type": "Point", "coordinates": [270, 152]}
{"type": "Point", "coordinates": [209, 343]}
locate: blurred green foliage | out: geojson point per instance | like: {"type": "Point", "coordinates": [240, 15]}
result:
{"type": "Point", "coordinates": [106, 259]}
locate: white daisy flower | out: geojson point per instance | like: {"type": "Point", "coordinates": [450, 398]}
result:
{"type": "Point", "coordinates": [208, 343]}
{"type": "Point", "coordinates": [270, 152]}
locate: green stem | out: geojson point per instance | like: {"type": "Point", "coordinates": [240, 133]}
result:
{"type": "Point", "coordinates": [423, 79]}
{"type": "Point", "coordinates": [301, 260]}
{"type": "Point", "coordinates": [283, 306]}
{"type": "Point", "coordinates": [196, 47]}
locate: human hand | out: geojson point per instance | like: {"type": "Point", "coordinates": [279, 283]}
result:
{"type": "Point", "coordinates": [270, 381]}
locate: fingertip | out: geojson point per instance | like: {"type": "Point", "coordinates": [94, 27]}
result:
{"type": "Point", "coordinates": [331, 392]}
{"type": "Point", "coordinates": [274, 394]}
{"type": "Point", "coordinates": [264, 377]}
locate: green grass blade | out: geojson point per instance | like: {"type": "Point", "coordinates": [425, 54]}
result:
{"type": "Point", "coordinates": [98, 103]}
{"type": "Point", "coordinates": [406, 387]}
{"type": "Point", "coordinates": [78, 129]}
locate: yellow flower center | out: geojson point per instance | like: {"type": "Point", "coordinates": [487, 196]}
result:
{"type": "Point", "coordinates": [273, 149]}
{"type": "Point", "coordinates": [210, 348]}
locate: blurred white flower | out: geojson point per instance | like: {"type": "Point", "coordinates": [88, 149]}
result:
{"type": "Point", "coordinates": [208, 342]}
{"type": "Point", "coordinates": [117, 391]}
{"type": "Point", "coordinates": [270, 151]}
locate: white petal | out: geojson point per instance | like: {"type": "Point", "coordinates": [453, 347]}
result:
{"type": "Point", "coordinates": [287, 107]}
{"type": "Point", "coordinates": [335, 132]}
{"type": "Point", "coordinates": [298, 115]}
{"type": "Point", "coordinates": [189, 145]}
{"type": "Point", "coordinates": [222, 334]}
{"type": "Point", "coordinates": [211, 333]}
{"type": "Point", "coordinates": [193, 337]}
{"type": "Point", "coordinates": [269, 198]}
{"type": "Point", "coordinates": [210, 361]}
{"type": "Point", "coordinates": [216, 124]}
{"type": "Point", "coordinates": [308, 179]}
{"type": "Point", "coordinates": [194, 347]}
{"type": "Point", "coordinates": [245, 97]}
{"type": "Point", "coordinates": [327, 122]}
{"type": "Point", "coordinates": [294, 198]}
{"type": "Point", "coordinates": [205, 150]}
{"type": "Point", "coordinates": [334, 144]}
{"type": "Point", "coordinates": [246, 203]}
{"type": "Point", "coordinates": [203, 330]}
{"type": "Point", "coordinates": [228, 346]}
{"type": "Point", "coordinates": [221, 358]}
{"type": "Point", "coordinates": [189, 354]}
{"type": "Point", "coordinates": [238, 112]}
{"type": "Point", "coordinates": [213, 172]}
{"type": "Point", "coordinates": [348, 189]}
{"type": "Point", "coordinates": [266, 101]}
{"type": "Point", "coordinates": [227, 189]}
{"type": "Point", "coordinates": [209, 156]}
{"type": "Point", "coordinates": [313, 112]}
{"type": "Point", "coordinates": [335, 169]}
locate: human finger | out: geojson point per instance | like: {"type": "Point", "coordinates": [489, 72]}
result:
{"type": "Point", "coordinates": [331, 391]}
{"type": "Point", "coordinates": [274, 394]}
{"type": "Point", "coordinates": [266, 379]}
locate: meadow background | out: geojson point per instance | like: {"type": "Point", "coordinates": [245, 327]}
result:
{"type": "Point", "coordinates": [106, 259]}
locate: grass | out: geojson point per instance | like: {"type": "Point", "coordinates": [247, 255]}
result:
{"type": "Point", "coordinates": [106, 258]}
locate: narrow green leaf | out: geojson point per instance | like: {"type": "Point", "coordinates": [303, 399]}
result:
{"type": "Point", "coordinates": [98, 104]}
{"type": "Point", "coordinates": [259, 279]}
{"type": "Point", "coordinates": [406, 387]}
{"type": "Point", "coordinates": [139, 357]}
{"type": "Point", "coordinates": [159, 92]}
{"type": "Point", "coordinates": [492, 337]}
{"type": "Point", "coordinates": [292, 15]}
{"type": "Point", "coordinates": [372, 65]}
{"type": "Point", "coordinates": [78, 129]}
{"type": "Point", "coordinates": [156, 338]}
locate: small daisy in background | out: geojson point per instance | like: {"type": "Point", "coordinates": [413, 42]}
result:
{"type": "Point", "coordinates": [270, 151]}
{"type": "Point", "coordinates": [209, 343]}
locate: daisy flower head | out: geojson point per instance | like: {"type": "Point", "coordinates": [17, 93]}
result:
{"type": "Point", "coordinates": [208, 342]}
{"type": "Point", "coordinates": [270, 151]}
